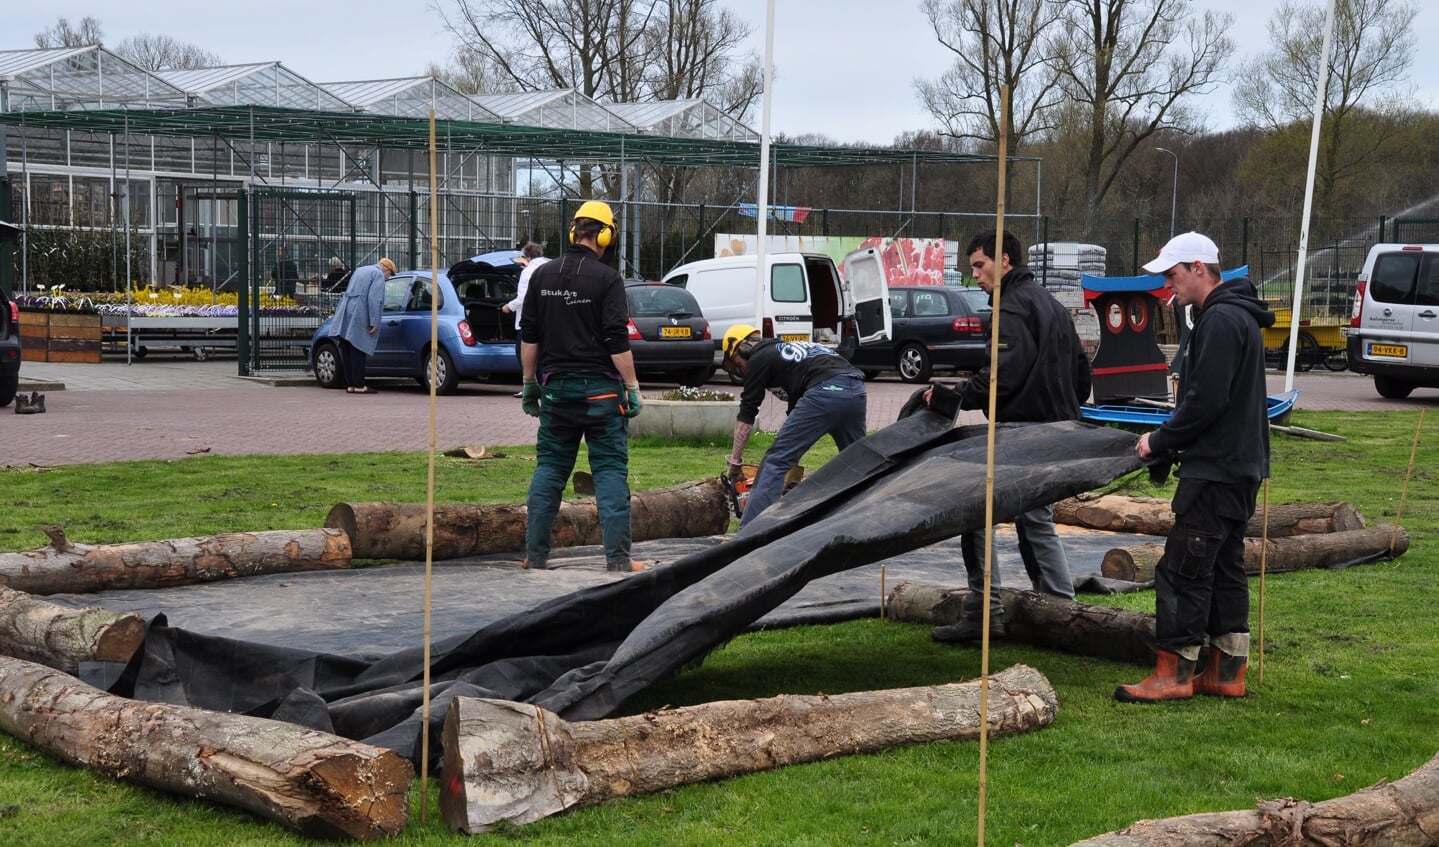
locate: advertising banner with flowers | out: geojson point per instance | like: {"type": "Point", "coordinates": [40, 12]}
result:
{"type": "Point", "coordinates": [907, 261]}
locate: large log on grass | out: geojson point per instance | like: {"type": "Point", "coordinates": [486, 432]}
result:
{"type": "Point", "coordinates": [68, 568]}
{"type": "Point", "coordinates": [61, 637]}
{"type": "Point", "coordinates": [1055, 623]}
{"type": "Point", "coordinates": [514, 762]}
{"type": "Point", "coordinates": [1152, 516]}
{"type": "Point", "coordinates": [397, 530]}
{"type": "Point", "coordinates": [1136, 562]}
{"type": "Point", "coordinates": [318, 784]}
{"type": "Point", "coordinates": [1399, 814]}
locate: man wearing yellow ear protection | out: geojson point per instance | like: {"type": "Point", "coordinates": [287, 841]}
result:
{"type": "Point", "coordinates": [580, 382]}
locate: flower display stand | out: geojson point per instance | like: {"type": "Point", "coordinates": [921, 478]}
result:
{"type": "Point", "coordinates": [685, 419]}
{"type": "Point", "coordinates": [59, 337]}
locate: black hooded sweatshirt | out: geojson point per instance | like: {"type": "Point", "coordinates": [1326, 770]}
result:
{"type": "Point", "coordinates": [1220, 430]}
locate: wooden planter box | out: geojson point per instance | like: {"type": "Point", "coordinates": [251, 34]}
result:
{"type": "Point", "coordinates": [685, 419]}
{"type": "Point", "coordinates": [59, 337]}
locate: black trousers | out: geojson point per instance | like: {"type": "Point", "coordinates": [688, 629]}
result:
{"type": "Point", "coordinates": [1201, 588]}
{"type": "Point", "coordinates": [352, 360]}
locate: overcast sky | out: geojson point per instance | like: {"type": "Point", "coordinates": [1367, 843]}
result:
{"type": "Point", "coordinates": [845, 68]}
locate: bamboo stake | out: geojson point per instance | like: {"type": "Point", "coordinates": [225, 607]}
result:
{"type": "Point", "coordinates": [989, 468]}
{"type": "Point", "coordinates": [430, 476]}
{"type": "Point", "coordinates": [1263, 556]}
{"type": "Point", "coordinates": [882, 593]}
{"type": "Point", "coordinates": [1404, 492]}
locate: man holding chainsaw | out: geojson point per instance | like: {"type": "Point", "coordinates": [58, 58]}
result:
{"type": "Point", "coordinates": [824, 392]}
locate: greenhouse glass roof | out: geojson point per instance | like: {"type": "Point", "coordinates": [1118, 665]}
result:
{"type": "Point", "coordinates": [77, 78]}
{"type": "Point", "coordinates": [565, 108]}
{"type": "Point", "coordinates": [685, 119]}
{"type": "Point", "coordinates": [264, 84]}
{"type": "Point", "coordinates": [412, 97]}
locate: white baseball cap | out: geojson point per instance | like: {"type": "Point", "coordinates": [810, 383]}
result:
{"type": "Point", "coordinates": [1183, 248]}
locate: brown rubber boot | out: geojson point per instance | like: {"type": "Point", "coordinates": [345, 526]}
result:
{"type": "Point", "coordinates": [634, 567]}
{"type": "Point", "coordinates": [1222, 676]}
{"type": "Point", "coordinates": [1173, 679]}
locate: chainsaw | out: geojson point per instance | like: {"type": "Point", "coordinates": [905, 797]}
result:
{"type": "Point", "coordinates": [737, 492]}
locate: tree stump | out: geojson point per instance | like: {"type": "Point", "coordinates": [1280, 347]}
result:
{"type": "Point", "coordinates": [1083, 629]}
{"type": "Point", "coordinates": [1400, 814]}
{"type": "Point", "coordinates": [315, 783]}
{"type": "Point", "coordinates": [397, 530]}
{"type": "Point", "coordinates": [1152, 516]}
{"type": "Point", "coordinates": [515, 762]}
{"type": "Point", "coordinates": [60, 637]}
{"type": "Point", "coordinates": [1137, 562]}
{"type": "Point", "coordinates": [68, 568]}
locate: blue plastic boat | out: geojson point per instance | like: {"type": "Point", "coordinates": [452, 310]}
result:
{"type": "Point", "coordinates": [1153, 416]}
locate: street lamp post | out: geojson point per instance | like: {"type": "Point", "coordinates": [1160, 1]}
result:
{"type": "Point", "coordinates": [1174, 197]}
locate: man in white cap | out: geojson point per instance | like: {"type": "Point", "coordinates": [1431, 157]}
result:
{"type": "Point", "coordinates": [1219, 435]}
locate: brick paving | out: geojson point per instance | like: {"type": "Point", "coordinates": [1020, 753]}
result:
{"type": "Point", "coordinates": [169, 409]}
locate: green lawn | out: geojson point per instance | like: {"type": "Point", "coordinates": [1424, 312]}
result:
{"type": "Point", "coordinates": [1349, 694]}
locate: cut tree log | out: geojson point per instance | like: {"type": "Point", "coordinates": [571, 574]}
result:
{"type": "Point", "coordinates": [1136, 562]}
{"type": "Point", "coordinates": [68, 568]}
{"type": "Point", "coordinates": [397, 530]}
{"type": "Point", "coordinates": [61, 637]}
{"type": "Point", "coordinates": [1399, 814]}
{"type": "Point", "coordinates": [315, 783]}
{"type": "Point", "coordinates": [1084, 629]}
{"type": "Point", "coordinates": [514, 762]}
{"type": "Point", "coordinates": [1152, 516]}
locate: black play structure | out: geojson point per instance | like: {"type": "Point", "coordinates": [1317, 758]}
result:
{"type": "Point", "coordinates": [913, 484]}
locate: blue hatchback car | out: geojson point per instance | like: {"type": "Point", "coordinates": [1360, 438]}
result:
{"type": "Point", "coordinates": [476, 339]}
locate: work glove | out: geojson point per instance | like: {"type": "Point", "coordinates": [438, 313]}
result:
{"type": "Point", "coordinates": [633, 403]}
{"type": "Point", "coordinates": [530, 398]}
{"type": "Point", "coordinates": [733, 470]}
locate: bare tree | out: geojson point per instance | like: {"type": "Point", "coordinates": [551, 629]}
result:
{"type": "Point", "coordinates": [1366, 107]}
{"type": "Point", "coordinates": [63, 34]}
{"type": "Point", "coordinates": [993, 46]}
{"type": "Point", "coordinates": [593, 46]}
{"type": "Point", "coordinates": [693, 46]}
{"type": "Point", "coordinates": [161, 52]}
{"type": "Point", "coordinates": [1129, 65]}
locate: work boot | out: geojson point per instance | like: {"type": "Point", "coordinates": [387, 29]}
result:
{"type": "Point", "coordinates": [37, 402]}
{"type": "Point", "coordinates": [632, 567]}
{"type": "Point", "coordinates": [534, 565]}
{"type": "Point", "coordinates": [968, 630]}
{"type": "Point", "coordinates": [1222, 676]}
{"type": "Point", "coordinates": [1173, 679]}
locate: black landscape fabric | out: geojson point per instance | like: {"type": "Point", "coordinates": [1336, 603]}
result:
{"type": "Point", "coordinates": [915, 483]}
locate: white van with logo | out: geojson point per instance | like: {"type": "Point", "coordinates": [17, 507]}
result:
{"type": "Point", "coordinates": [805, 299]}
{"type": "Point", "coordinates": [1394, 322]}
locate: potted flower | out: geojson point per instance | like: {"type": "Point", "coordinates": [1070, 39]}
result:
{"type": "Point", "coordinates": [688, 413]}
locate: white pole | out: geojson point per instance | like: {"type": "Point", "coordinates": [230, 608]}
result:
{"type": "Point", "coordinates": [1319, 97]}
{"type": "Point", "coordinates": [1174, 196]}
{"type": "Point", "coordinates": [762, 198]}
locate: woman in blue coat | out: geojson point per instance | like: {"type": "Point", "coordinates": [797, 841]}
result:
{"type": "Point", "coordinates": [356, 326]}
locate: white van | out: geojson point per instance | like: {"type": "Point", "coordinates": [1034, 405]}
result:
{"type": "Point", "coordinates": [1394, 321]}
{"type": "Point", "coordinates": [806, 299]}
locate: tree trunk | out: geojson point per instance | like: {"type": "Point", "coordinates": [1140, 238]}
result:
{"type": "Point", "coordinates": [515, 762]}
{"type": "Point", "coordinates": [67, 568]}
{"type": "Point", "coordinates": [61, 637]}
{"type": "Point", "coordinates": [1400, 814]}
{"type": "Point", "coordinates": [1136, 562]}
{"type": "Point", "coordinates": [397, 530]}
{"type": "Point", "coordinates": [1084, 629]}
{"type": "Point", "coordinates": [318, 784]}
{"type": "Point", "coordinates": [1151, 516]}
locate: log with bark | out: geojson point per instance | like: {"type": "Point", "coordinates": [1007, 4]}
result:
{"type": "Point", "coordinates": [315, 783]}
{"type": "Point", "coordinates": [1084, 629]}
{"type": "Point", "coordinates": [397, 530]}
{"type": "Point", "coordinates": [515, 762]}
{"type": "Point", "coordinates": [65, 567]}
{"type": "Point", "coordinates": [1152, 516]}
{"type": "Point", "coordinates": [61, 637]}
{"type": "Point", "coordinates": [1399, 814]}
{"type": "Point", "coordinates": [1137, 562]}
